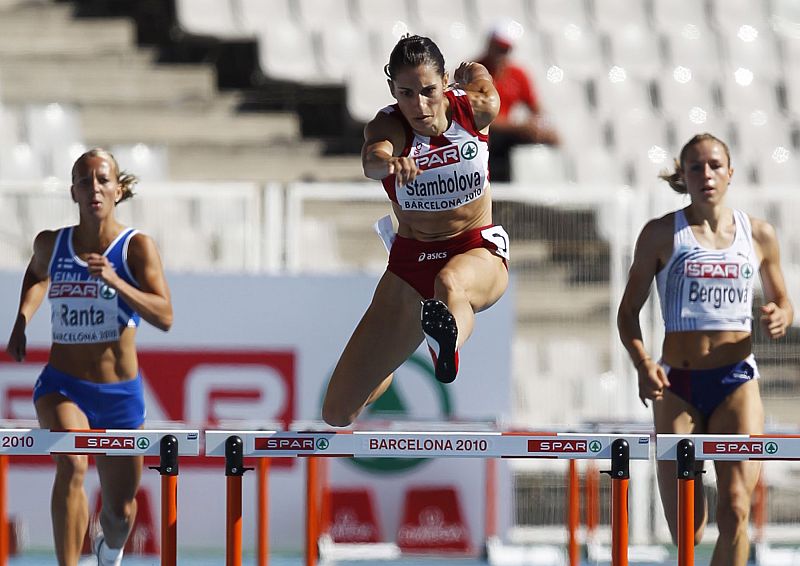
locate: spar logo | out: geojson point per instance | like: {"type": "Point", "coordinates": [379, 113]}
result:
{"type": "Point", "coordinates": [747, 270]}
{"type": "Point", "coordinates": [714, 270]}
{"type": "Point", "coordinates": [77, 289]}
{"type": "Point", "coordinates": [771, 448]}
{"type": "Point", "coordinates": [107, 292]}
{"type": "Point", "coordinates": [142, 443]}
{"type": "Point", "coordinates": [561, 446]}
{"type": "Point", "coordinates": [469, 150]}
{"type": "Point", "coordinates": [285, 444]}
{"type": "Point", "coordinates": [736, 447]}
{"type": "Point", "coordinates": [105, 442]}
{"type": "Point", "coordinates": [438, 158]}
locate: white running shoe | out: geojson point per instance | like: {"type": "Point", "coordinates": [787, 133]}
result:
{"type": "Point", "coordinates": [101, 550]}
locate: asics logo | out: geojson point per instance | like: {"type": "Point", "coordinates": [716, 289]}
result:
{"type": "Point", "coordinates": [434, 255]}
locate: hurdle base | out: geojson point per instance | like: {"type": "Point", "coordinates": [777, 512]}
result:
{"type": "Point", "coordinates": [765, 555]}
{"type": "Point", "coordinates": [337, 551]}
{"type": "Point", "coordinates": [636, 553]}
{"type": "Point", "coordinates": [499, 553]}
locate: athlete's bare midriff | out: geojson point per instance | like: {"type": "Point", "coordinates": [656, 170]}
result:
{"type": "Point", "coordinates": [105, 362]}
{"type": "Point", "coordinates": [433, 226]}
{"type": "Point", "coordinates": [706, 349]}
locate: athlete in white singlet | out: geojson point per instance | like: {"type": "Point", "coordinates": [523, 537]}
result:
{"type": "Point", "coordinates": [705, 258]}
{"type": "Point", "coordinates": [447, 260]}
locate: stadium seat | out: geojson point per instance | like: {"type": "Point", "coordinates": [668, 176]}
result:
{"type": "Point", "coordinates": [611, 15]}
{"type": "Point", "coordinates": [598, 165]}
{"type": "Point", "coordinates": [9, 127]}
{"type": "Point", "coordinates": [488, 14]}
{"type": "Point", "coordinates": [578, 51]}
{"type": "Point", "coordinates": [440, 15]}
{"type": "Point", "coordinates": [258, 15]}
{"type": "Point", "coordinates": [729, 15]}
{"type": "Point", "coordinates": [384, 14]}
{"type": "Point", "coordinates": [675, 14]}
{"type": "Point", "coordinates": [686, 126]}
{"type": "Point", "coordinates": [286, 52]}
{"type": "Point", "coordinates": [681, 94]}
{"type": "Point", "coordinates": [20, 163]}
{"type": "Point", "coordinates": [148, 162]}
{"type": "Point", "coordinates": [792, 87]}
{"type": "Point", "coordinates": [616, 94]}
{"type": "Point", "coordinates": [555, 15]}
{"type": "Point", "coordinates": [558, 91]}
{"type": "Point", "coordinates": [216, 18]}
{"type": "Point", "coordinates": [781, 167]}
{"type": "Point", "coordinates": [51, 126]}
{"type": "Point", "coordinates": [453, 42]}
{"type": "Point", "coordinates": [538, 165]}
{"type": "Point", "coordinates": [62, 159]}
{"type": "Point", "coordinates": [340, 49]}
{"type": "Point", "coordinates": [694, 47]}
{"type": "Point", "coordinates": [636, 50]}
{"type": "Point", "coordinates": [636, 131]}
{"type": "Point", "coordinates": [752, 48]}
{"type": "Point", "coordinates": [367, 92]}
{"type": "Point", "coordinates": [744, 92]}
{"type": "Point", "coordinates": [323, 15]}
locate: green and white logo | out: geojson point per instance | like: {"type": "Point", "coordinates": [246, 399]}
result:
{"type": "Point", "coordinates": [595, 446]}
{"type": "Point", "coordinates": [322, 444]}
{"type": "Point", "coordinates": [747, 271]}
{"type": "Point", "coordinates": [771, 447]}
{"type": "Point", "coordinates": [469, 150]}
{"type": "Point", "coordinates": [107, 292]}
{"type": "Point", "coordinates": [142, 443]}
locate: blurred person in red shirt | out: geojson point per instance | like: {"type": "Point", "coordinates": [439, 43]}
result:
{"type": "Point", "coordinates": [515, 89]}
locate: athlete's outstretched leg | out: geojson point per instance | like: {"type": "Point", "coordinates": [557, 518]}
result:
{"type": "Point", "coordinates": [388, 333]}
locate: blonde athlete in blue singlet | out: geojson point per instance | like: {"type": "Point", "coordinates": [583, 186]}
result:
{"type": "Point", "coordinates": [100, 278]}
{"type": "Point", "coordinates": [705, 258]}
{"type": "Point", "coordinates": [430, 150]}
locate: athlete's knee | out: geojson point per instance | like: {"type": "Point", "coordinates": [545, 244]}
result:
{"type": "Point", "coordinates": [733, 511]}
{"type": "Point", "coordinates": [336, 414]}
{"type": "Point", "coordinates": [71, 467]}
{"type": "Point", "coordinates": [118, 513]}
{"type": "Point", "coordinates": [448, 282]}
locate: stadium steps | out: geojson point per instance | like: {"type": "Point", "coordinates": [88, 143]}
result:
{"type": "Point", "coordinates": [105, 126]}
{"type": "Point", "coordinates": [124, 98]}
{"type": "Point", "coordinates": [282, 163]}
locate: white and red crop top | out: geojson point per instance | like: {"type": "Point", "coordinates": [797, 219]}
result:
{"type": "Point", "coordinates": [454, 165]}
{"type": "Point", "coordinates": [703, 289]}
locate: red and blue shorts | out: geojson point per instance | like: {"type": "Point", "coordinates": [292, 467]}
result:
{"type": "Point", "coordinates": [706, 389]}
{"type": "Point", "coordinates": [417, 262]}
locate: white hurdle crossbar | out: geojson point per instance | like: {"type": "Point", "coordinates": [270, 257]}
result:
{"type": "Point", "coordinates": [167, 444]}
{"type": "Point", "coordinates": [394, 444]}
{"type": "Point", "coordinates": [111, 442]}
{"type": "Point", "coordinates": [234, 445]}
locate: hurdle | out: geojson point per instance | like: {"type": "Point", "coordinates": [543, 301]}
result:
{"type": "Point", "coordinates": [168, 445]}
{"type": "Point", "coordinates": [234, 445]}
{"type": "Point", "coordinates": [685, 450]}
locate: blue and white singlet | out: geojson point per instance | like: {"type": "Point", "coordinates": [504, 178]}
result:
{"type": "Point", "coordinates": [84, 310]}
{"type": "Point", "coordinates": [704, 289]}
